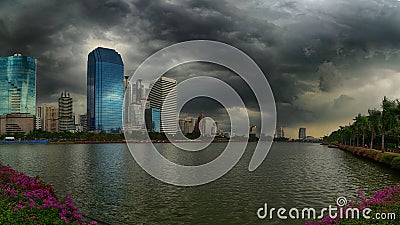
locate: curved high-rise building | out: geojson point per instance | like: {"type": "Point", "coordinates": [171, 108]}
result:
{"type": "Point", "coordinates": [17, 84]}
{"type": "Point", "coordinates": [105, 90]}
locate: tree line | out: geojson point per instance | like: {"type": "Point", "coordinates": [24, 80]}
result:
{"type": "Point", "coordinates": [66, 136]}
{"type": "Point", "coordinates": [379, 128]}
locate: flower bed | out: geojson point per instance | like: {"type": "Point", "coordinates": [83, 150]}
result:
{"type": "Point", "coordinates": [382, 202]}
{"type": "Point", "coordinates": [26, 200]}
{"type": "Point", "coordinates": [391, 159]}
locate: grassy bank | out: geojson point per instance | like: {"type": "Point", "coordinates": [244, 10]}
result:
{"type": "Point", "coordinates": [27, 200]}
{"type": "Point", "coordinates": [388, 158]}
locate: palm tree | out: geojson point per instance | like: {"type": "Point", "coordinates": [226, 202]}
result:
{"type": "Point", "coordinates": [375, 123]}
{"type": "Point", "coordinates": [396, 128]}
{"type": "Point", "coordinates": [389, 118]}
{"type": "Point", "coordinates": [363, 125]}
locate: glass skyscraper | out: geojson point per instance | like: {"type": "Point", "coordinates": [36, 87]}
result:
{"type": "Point", "coordinates": [153, 120]}
{"type": "Point", "coordinates": [17, 84]}
{"type": "Point", "coordinates": [105, 90]}
{"type": "Point", "coordinates": [160, 90]}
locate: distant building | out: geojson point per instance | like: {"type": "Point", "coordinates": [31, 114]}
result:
{"type": "Point", "coordinates": [38, 121]}
{"type": "Point", "coordinates": [200, 127]}
{"type": "Point", "coordinates": [311, 139]}
{"type": "Point", "coordinates": [48, 115]}
{"type": "Point", "coordinates": [215, 128]}
{"type": "Point", "coordinates": [83, 122]}
{"type": "Point", "coordinates": [136, 103]}
{"type": "Point", "coordinates": [17, 84]}
{"type": "Point", "coordinates": [253, 131]}
{"type": "Point", "coordinates": [66, 120]}
{"type": "Point", "coordinates": [160, 89]}
{"type": "Point", "coordinates": [125, 82]}
{"type": "Point", "coordinates": [153, 120]}
{"type": "Point", "coordinates": [105, 90]}
{"type": "Point", "coordinates": [279, 132]}
{"type": "Point", "coordinates": [16, 123]}
{"type": "Point", "coordinates": [182, 125]}
{"type": "Point", "coordinates": [229, 134]}
{"type": "Point", "coordinates": [265, 137]}
{"type": "Point", "coordinates": [302, 133]}
{"type": "Point", "coordinates": [187, 125]}
{"type": "Point", "coordinates": [138, 92]}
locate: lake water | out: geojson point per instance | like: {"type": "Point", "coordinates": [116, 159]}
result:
{"type": "Point", "coordinates": [107, 184]}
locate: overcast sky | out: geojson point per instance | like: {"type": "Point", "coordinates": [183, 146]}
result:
{"type": "Point", "coordinates": [326, 61]}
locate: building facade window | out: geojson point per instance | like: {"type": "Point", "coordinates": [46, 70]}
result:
{"type": "Point", "coordinates": [17, 84]}
{"type": "Point", "coordinates": [105, 90]}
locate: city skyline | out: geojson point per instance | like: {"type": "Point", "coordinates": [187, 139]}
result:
{"type": "Point", "coordinates": [320, 60]}
{"type": "Point", "coordinates": [139, 92]}
{"type": "Point", "coordinates": [139, 95]}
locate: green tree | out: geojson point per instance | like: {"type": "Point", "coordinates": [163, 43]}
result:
{"type": "Point", "coordinates": [389, 118]}
{"type": "Point", "coordinates": [375, 123]}
{"type": "Point", "coordinates": [363, 125]}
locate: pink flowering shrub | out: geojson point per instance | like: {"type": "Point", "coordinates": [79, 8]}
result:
{"type": "Point", "coordinates": [383, 201]}
{"type": "Point", "coordinates": [27, 200]}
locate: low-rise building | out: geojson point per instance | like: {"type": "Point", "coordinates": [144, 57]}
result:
{"type": "Point", "coordinates": [16, 123]}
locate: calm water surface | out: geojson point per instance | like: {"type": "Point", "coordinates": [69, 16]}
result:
{"type": "Point", "coordinates": [107, 184]}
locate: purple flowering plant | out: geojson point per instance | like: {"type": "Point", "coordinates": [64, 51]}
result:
{"type": "Point", "coordinates": [383, 201]}
{"type": "Point", "coordinates": [28, 200]}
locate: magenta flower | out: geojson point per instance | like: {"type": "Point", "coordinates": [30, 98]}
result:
{"type": "Point", "coordinates": [22, 191]}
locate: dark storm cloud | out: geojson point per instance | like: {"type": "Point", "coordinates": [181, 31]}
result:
{"type": "Point", "coordinates": [52, 32]}
{"type": "Point", "coordinates": [310, 51]}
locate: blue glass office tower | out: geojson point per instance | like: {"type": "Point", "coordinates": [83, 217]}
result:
{"type": "Point", "coordinates": [105, 90]}
{"type": "Point", "coordinates": [17, 84]}
{"type": "Point", "coordinates": [153, 120]}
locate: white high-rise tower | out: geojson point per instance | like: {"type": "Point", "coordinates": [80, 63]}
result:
{"type": "Point", "coordinates": [158, 99]}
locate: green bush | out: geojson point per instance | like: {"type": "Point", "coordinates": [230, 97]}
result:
{"type": "Point", "coordinates": [387, 158]}
{"type": "Point", "coordinates": [378, 156]}
{"type": "Point", "coordinates": [28, 215]}
{"type": "Point", "coordinates": [395, 162]}
{"type": "Point", "coordinates": [390, 145]}
{"type": "Point", "coordinates": [372, 154]}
